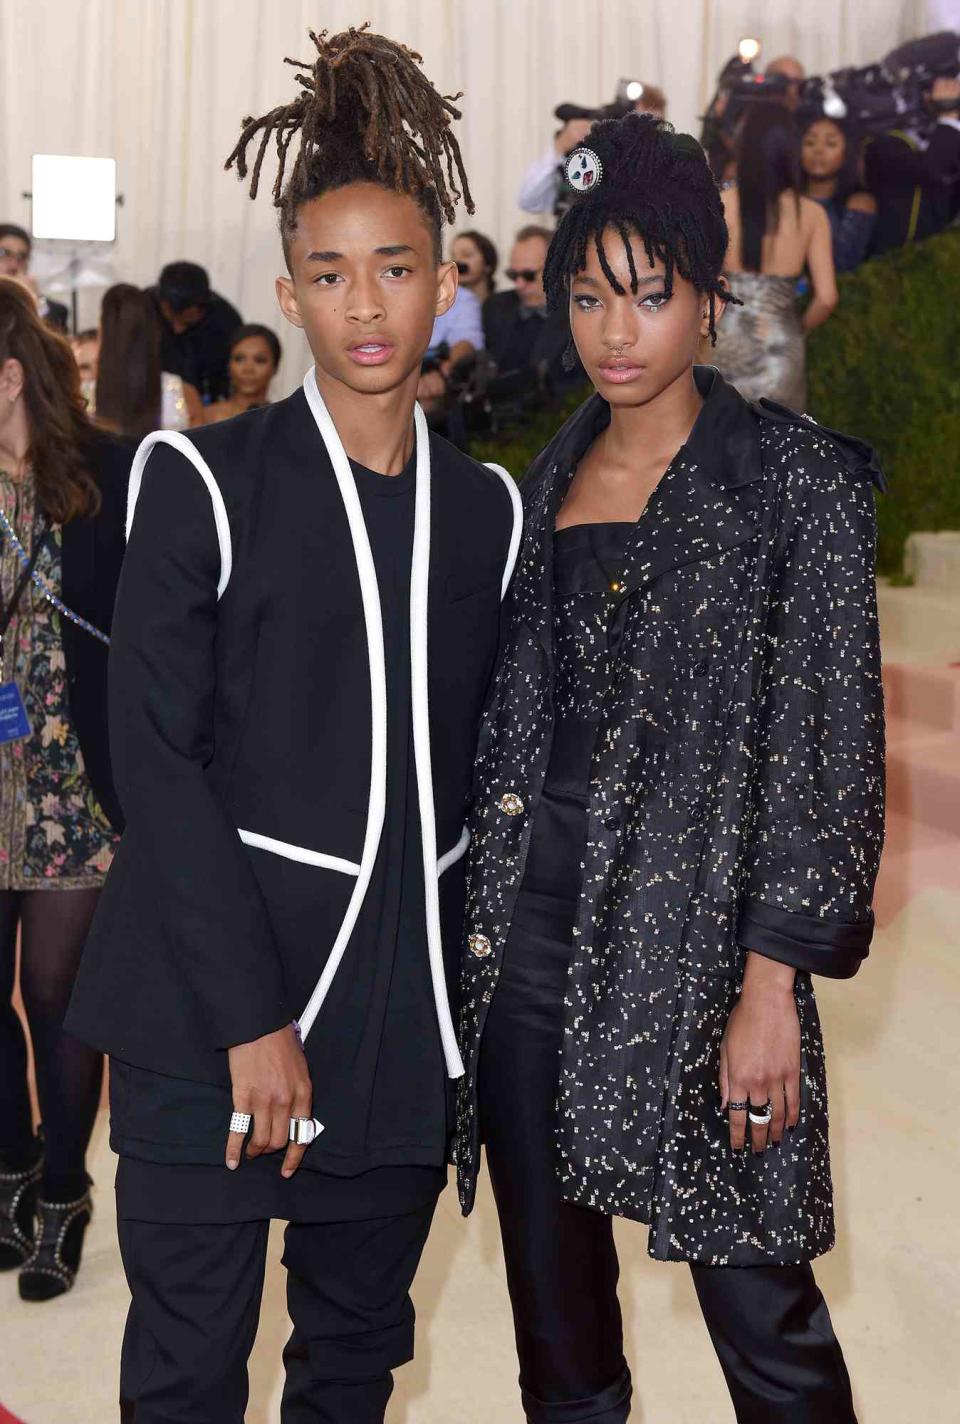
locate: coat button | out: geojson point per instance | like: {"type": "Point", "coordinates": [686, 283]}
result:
{"type": "Point", "coordinates": [511, 804]}
{"type": "Point", "coordinates": [612, 823]}
{"type": "Point", "coordinates": [480, 946]}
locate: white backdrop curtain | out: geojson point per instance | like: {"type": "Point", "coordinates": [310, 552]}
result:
{"type": "Point", "coordinates": [162, 85]}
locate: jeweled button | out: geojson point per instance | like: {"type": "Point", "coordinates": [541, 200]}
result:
{"type": "Point", "coordinates": [480, 946]}
{"type": "Point", "coordinates": [511, 804]}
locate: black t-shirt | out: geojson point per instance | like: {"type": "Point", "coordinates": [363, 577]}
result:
{"type": "Point", "coordinates": [384, 1144]}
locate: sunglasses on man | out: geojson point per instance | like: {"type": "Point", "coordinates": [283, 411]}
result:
{"type": "Point", "coordinates": [16, 253]}
{"type": "Point", "coordinates": [526, 274]}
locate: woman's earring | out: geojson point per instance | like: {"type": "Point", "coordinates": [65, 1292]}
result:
{"type": "Point", "coordinates": [569, 359]}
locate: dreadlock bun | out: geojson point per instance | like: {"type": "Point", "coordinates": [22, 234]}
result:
{"type": "Point", "coordinates": [657, 185]}
{"type": "Point", "coordinates": [365, 112]}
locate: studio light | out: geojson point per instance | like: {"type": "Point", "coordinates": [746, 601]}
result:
{"type": "Point", "coordinates": [749, 49]}
{"type": "Point", "coordinates": [74, 199]}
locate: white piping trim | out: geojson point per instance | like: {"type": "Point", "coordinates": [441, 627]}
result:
{"type": "Point", "coordinates": [420, 718]}
{"type": "Point", "coordinates": [517, 533]}
{"type": "Point", "coordinates": [300, 853]}
{"type": "Point", "coordinates": [190, 451]}
{"type": "Point", "coordinates": [456, 853]}
{"type": "Point", "coordinates": [370, 595]}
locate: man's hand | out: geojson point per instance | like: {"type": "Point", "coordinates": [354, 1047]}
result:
{"type": "Point", "coordinates": [270, 1081]}
{"type": "Point", "coordinates": [760, 1052]}
{"type": "Point", "coordinates": [946, 89]}
{"type": "Point", "coordinates": [573, 132]}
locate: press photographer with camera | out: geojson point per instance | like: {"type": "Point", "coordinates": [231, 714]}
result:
{"type": "Point", "coordinates": [915, 175]}
{"type": "Point", "coordinates": [542, 184]}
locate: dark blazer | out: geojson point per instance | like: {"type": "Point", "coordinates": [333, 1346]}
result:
{"type": "Point", "coordinates": [91, 557]}
{"type": "Point", "coordinates": [247, 717]}
{"type": "Point", "coordinates": [531, 347]}
{"type": "Point", "coordinates": [736, 804]}
{"type": "Point", "coordinates": [917, 189]}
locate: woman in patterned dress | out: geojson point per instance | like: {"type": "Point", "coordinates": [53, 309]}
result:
{"type": "Point", "coordinates": [62, 493]}
{"type": "Point", "coordinates": [677, 819]}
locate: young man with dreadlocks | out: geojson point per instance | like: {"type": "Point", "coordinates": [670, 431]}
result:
{"type": "Point", "coordinates": [307, 624]}
{"type": "Point", "coordinates": [678, 816]}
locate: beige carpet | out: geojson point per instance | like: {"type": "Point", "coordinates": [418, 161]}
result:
{"type": "Point", "coordinates": [892, 1283]}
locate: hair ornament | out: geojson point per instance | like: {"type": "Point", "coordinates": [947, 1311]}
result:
{"type": "Point", "coordinates": [583, 170]}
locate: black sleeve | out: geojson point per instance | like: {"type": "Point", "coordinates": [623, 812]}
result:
{"type": "Point", "coordinates": [891, 160]}
{"type": "Point", "coordinates": [816, 832]}
{"type": "Point", "coordinates": [162, 694]}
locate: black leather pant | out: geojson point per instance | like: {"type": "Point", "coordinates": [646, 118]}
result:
{"type": "Point", "coordinates": [769, 1324]}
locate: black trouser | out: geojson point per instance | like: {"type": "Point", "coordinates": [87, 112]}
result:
{"type": "Point", "coordinates": [196, 1303]}
{"type": "Point", "coordinates": [53, 928]}
{"type": "Point", "coordinates": [769, 1324]}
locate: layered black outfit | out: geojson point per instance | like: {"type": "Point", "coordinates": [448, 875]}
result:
{"type": "Point", "coordinates": [52, 919]}
{"type": "Point", "coordinates": [300, 655]}
{"type": "Point", "coordinates": [687, 711]}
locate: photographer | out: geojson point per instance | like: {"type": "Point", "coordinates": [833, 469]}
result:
{"type": "Point", "coordinates": [916, 180]}
{"type": "Point", "coordinates": [540, 185]}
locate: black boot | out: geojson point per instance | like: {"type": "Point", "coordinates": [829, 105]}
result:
{"type": "Point", "coordinates": [53, 1264]}
{"type": "Point", "coordinates": [18, 1206]}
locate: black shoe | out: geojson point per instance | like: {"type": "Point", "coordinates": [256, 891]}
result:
{"type": "Point", "coordinates": [52, 1266]}
{"type": "Point", "coordinates": [18, 1206]}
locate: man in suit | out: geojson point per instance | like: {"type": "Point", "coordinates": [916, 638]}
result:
{"type": "Point", "coordinates": [526, 341]}
{"type": "Point", "coordinates": [197, 327]}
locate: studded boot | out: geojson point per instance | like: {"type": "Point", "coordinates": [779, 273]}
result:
{"type": "Point", "coordinates": [18, 1205]}
{"type": "Point", "coordinates": [52, 1266]}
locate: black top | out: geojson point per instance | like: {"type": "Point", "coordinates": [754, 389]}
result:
{"type": "Point", "coordinates": [588, 615]}
{"type": "Point", "coordinates": [528, 341]}
{"type": "Point", "coordinates": [384, 1143]}
{"type": "Point", "coordinates": [201, 354]}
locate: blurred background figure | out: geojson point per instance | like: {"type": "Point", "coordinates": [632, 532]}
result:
{"type": "Point", "coordinates": [790, 68]}
{"type": "Point", "coordinates": [775, 235]}
{"type": "Point", "coordinates": [197, 329]}
{"type": "Point", "coordinates": [527, 342]}
{"type": "Point", "coordinates": [914, 173]}
{"type": "Point", "coordinates": [15, 249]}
{"type": "Point", "coordinates": [86, 351]}
{"type": "Point", "coordinates": [63, 491]}
{"type": "Point", "coordinates": [542, 182]}
{"type": "Point", "coordinates": [134, 395]}
{"type": "Point", "coordinates": [254, 358]}
{"type": "Point", "coordinates": [831, 176]}
{"type": "Point", "coordinates": [477, 260]}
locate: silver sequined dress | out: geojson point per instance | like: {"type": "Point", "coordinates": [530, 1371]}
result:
{"type": "Point", "coordinates": [760, 345]}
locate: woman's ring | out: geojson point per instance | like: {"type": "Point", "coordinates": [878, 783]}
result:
{"type": "Point", "coordinates": [738, 1107]}
{"type": "Point", "coordinates": [761, 1116]}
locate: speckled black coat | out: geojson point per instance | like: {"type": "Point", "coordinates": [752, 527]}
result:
{"type": "Point", "coordinates": [736, 804]}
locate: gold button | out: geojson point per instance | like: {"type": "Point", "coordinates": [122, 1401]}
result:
{"type": "Point", "coordinates": [480, 946]}
{"type": "Point", "coordinates": [616, 587]}
{"type": "Point", "coordinates": [511, 804]}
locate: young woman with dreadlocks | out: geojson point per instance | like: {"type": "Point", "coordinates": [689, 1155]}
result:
{"type": "Point", "coordinates": [677, 820]}
{"type": "Point", "coordinates": [307, 623]}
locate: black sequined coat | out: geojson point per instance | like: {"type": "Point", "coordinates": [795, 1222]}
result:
{"type": "Point", "coordinates": [736, 804]}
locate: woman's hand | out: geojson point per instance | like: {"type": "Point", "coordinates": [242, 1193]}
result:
{"type": "Point", "coordinates": [760, 1053]}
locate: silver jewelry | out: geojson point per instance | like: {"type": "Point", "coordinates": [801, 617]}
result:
{"type": "Point", "coordinates": [738, 1107]}
{"type": "Point", "coordinates": [583, 170]}
{"type": "Point", "coordinates": [303, 1130]}
{"type": "Point", "coordinates": [240, 1122]}
{"type": "Point", "coordinates": [761, 1116]}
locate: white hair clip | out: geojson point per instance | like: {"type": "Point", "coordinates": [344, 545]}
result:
{"type": "Point", "coordinates": [583, 170]}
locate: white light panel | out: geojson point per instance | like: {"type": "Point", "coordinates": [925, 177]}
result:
{"type": "Point", "coordinates": [74, 199]}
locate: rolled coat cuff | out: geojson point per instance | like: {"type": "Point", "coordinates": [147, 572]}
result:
{"type": "Point", "coordinates": [833, 948]}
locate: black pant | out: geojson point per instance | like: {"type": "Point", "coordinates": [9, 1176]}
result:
{"type": "Point", "coordinates": [196, 1303]}
{"type": "Point", "coordinates": [769, 1324]}
{"type": "Point", "coordinates": [53, 928]}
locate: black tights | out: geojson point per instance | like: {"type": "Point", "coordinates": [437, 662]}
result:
{"type": "Point", "coordinates": [53, 928]}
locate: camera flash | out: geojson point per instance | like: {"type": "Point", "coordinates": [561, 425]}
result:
{"type": "Point", "coordinates": [634, 90]}
{"type": "Point", "coordinates": [749, 49]}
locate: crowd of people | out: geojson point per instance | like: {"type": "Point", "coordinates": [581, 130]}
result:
{"type": "Point", "coordinates": [185, 694]}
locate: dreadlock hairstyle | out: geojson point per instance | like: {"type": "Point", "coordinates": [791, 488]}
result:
{"type": "Point", "coordinates": [655, 183]}
{"type": "Point", "coordinates": [366, 113]}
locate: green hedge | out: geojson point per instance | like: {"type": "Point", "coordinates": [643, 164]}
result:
{"type": "Point", "coordinates": [886, 367]}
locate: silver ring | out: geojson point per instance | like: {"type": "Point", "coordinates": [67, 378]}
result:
{"type": "Point", "coordinates": [763, 1117]}
{"type": "Point", "coordinates": [738, 1107]}
{"type": "Point", "coordinates": [304, 1130]}
{"type": "Point", "coordinates": [240, 1122]}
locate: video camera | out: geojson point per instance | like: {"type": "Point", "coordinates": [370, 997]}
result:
{"type": "Point", "coordinates": [629, 93]}
{"type": "Point", "coordinates": [874, 98]}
